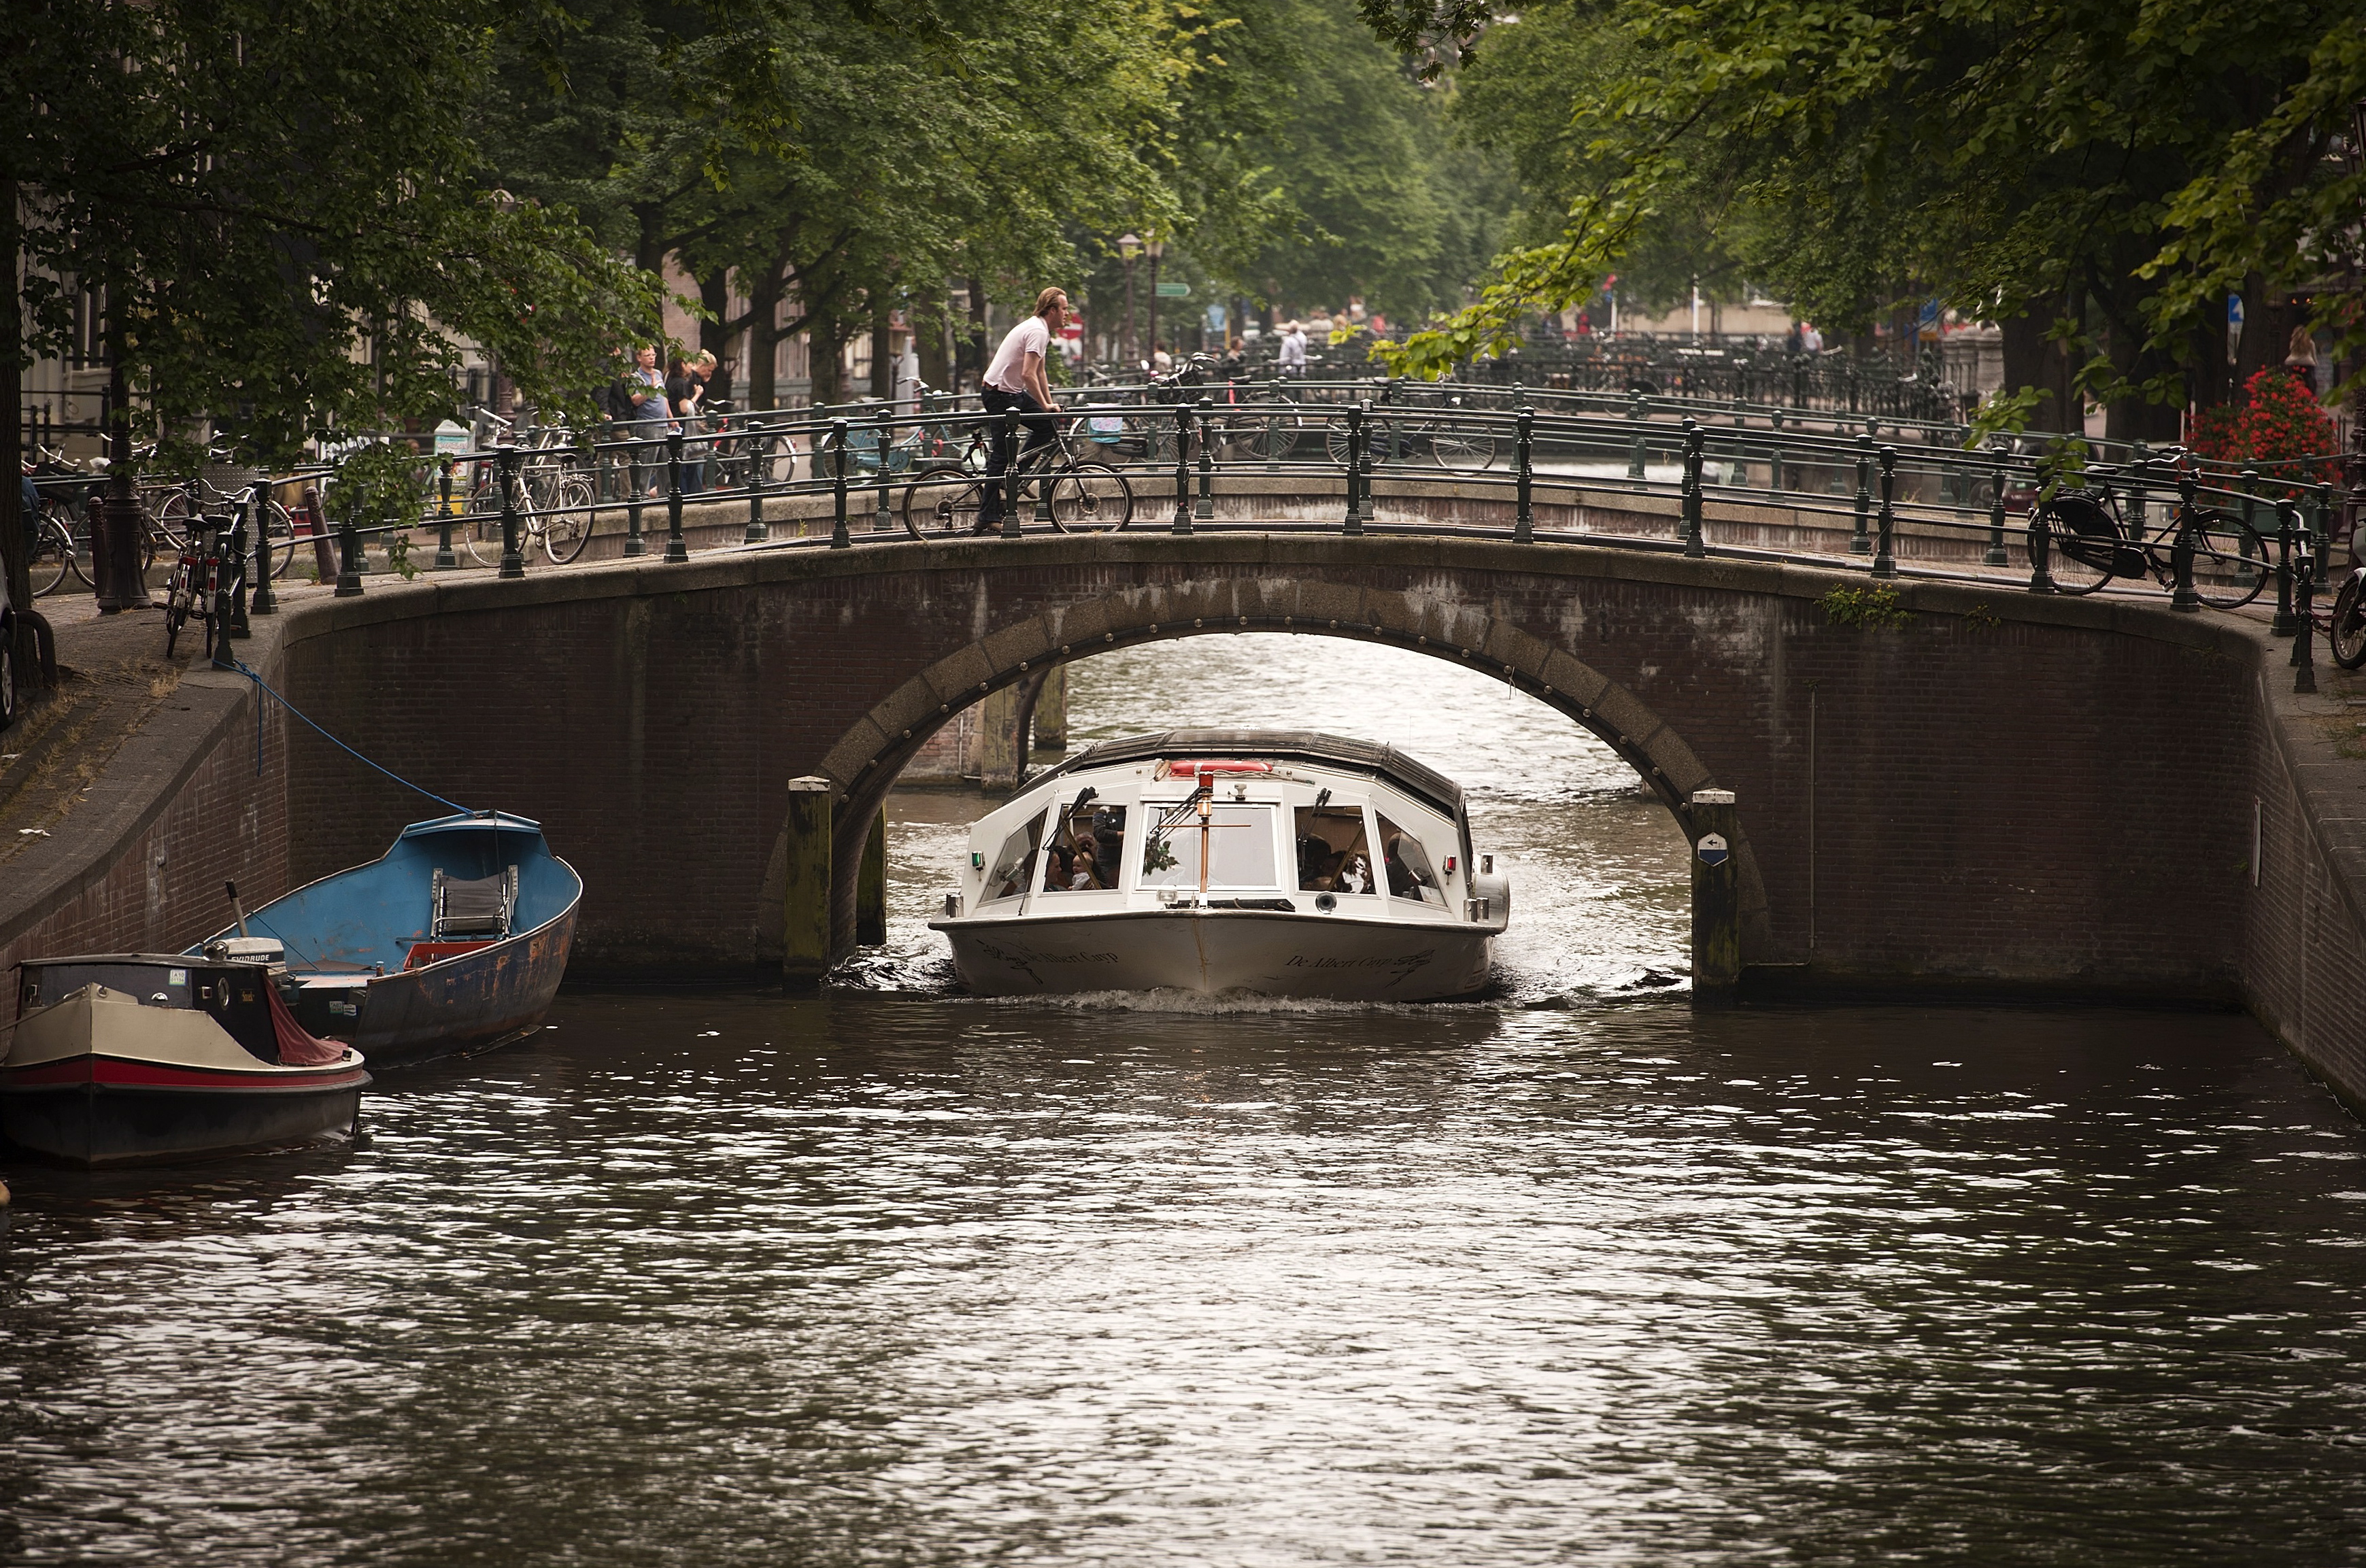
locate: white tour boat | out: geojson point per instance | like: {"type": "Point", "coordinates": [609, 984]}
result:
{"type": "Point", "coordinates": [1283, 862]}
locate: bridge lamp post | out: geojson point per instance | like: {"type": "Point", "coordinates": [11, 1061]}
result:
{"type": "Point", "coordinates": [1128, 245]}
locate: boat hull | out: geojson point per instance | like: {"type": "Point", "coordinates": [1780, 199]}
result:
{"type": "Point", "coordinates": [455, 1005]}
{"type": "Point", "coordinates": [1210, 952]}
{"type": "Point", "coordinates": [101, 1082]}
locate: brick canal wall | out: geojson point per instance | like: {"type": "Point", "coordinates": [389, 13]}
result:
{"type": "Point", "coordinates": [2005, 794]}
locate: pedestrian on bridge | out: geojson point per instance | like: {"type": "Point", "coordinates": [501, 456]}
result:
{"type": "Point", "coordinates": [1016, 380]}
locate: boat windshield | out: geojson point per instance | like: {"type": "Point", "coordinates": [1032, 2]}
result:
{"type": "Point", "coordinates": [1007, 878]}
{"type": "Point", "coordinates": [1087, 851]}
{"type": "Point", "coordinates": [1240, 853]}
{"type": "Point", "coordinates": [1407, 864]}
{"type": "Point", "coordinates": [1333, 854]}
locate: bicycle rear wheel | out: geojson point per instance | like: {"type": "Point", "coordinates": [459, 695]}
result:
{"type": "Point", "coordinates": [2347, 633]}
{"type": "Point", "coordinates": [566, 530]}
{"type": "Point", "coordinates": [1462, 450]}
{"type": "Point", "coordinates": [2080, 542]}
{"type": "Point", "coordinates": [1091, 498]}
{"type": "Point", "coordinates": [942, 504]}
{"type": "Point", "coordinates": [180, 597]}
{"type": "Point", "coordinates": [51, 558]}
{"type": "Point", "coordinates": [2230, 560]}
{"type": "Point", "coordinates": [480, 532]}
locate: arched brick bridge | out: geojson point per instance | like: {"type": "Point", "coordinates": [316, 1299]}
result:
{"type": "Point", "coordinates": [2006, 790]}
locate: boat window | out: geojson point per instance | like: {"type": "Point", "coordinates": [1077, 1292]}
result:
{"type": "Point", "coordinates": [1085, 850]}
{"type": "Point", "coordinates": [1240, 852]}
{"type": "Point", "coordinates": [158, 984]}
{"type": "Point", "coordinates": [1406, 864]}
{"type": "Point", "coordinates": [1007, 879]}
{"type": "Point", "coordinates": [1334, 853]}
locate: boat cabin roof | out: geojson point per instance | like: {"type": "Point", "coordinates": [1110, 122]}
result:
{"type": "Point", "coordinates": [469, 822]}
{"type": "Point", "coordinates": [150, 960]}
{"type": "Point", "coordinates": [1417, 778]}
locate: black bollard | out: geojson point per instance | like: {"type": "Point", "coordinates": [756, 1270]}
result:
{"type": "Point", "coordinates": [1182, 524]}
{"type": "Point", "coordinates": [1356, 479]}
{"type": "Point", "coordinates": [443, 555]}
{"type": "Point", "coordinates": [759, 448]}
{"type": "Point", "coordinates": [349, 568]}
{"type": "Point", "coordinates": [2305, 644]}
{"type": "Point", "coordinates": [2282, 625]}
{"type": "Point", "coordinates": [1695, 438]}
{"type": "Point", "coordinates": [2182, 598]}
{"type": "Point", "coordinates": [1524, 517]}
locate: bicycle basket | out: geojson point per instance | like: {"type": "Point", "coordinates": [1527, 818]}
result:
{"type": "Point", "coordinates": [2084, 531]}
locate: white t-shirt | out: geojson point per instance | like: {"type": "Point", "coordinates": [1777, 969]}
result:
{"type": "Point", "coordinates": [1008, 371]}
{"type": "Point", "coordinates": [1293, 348]}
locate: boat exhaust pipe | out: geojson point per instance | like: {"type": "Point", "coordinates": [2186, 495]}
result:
{"type": "Point", "coordinates": [231, 888]}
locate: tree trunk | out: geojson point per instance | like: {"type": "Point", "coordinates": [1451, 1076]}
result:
{"type": "Point", "coordinates": [826, 335]}
{"type": "Point", "coordinates": [13, 555]}
{"type": "Point", "coordinates": [2031, 361]}
{"type": "Point", "coordinates": [932, 342]}
{"type": "Point", "coordinates": [715, 333]}
{"type": "Point", "coordinates": [973, 351]}
{"type": "Point", "coordinates": [882, 367]}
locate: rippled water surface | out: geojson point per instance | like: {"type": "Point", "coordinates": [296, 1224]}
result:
{"type": "Point", "coordinates": [891, 1276]}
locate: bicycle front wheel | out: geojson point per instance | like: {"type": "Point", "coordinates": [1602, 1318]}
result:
{"type": "Point", "coordinates": [481, 532]}
{"type": "Point", "coordinates": [180, 596]}
{"type": "Point", "coordinates": [568, 530]}
{"type": "Point", "coordinates": [942, 504]}
{"type": "Point", "coordinates": [1091, 498]}
{"type": "Point", "coordinates": [2230, 560]}
{"type": "Point", "coordinates": [2347, 634]}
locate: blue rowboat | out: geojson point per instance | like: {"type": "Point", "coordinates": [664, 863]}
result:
{"type": "Point", "coordinates": [453, 939]}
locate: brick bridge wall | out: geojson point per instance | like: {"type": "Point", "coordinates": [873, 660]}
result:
{"type": "Point", "coordinates": [2008, 791]}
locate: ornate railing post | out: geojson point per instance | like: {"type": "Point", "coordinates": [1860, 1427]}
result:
{"type": "Point", "coordinates": [2320, 522]}
{"type": "Point", "coordinates": [263, 601]}
{"type": "Point", "coordinates": [1884, 553]}
{"type": "Point", "coordinates": [1524, 517]}
{"type": "Point", "coordinates": [445, 559]}
{"type": "Point", "coordinates": [883, 516]}
{"type": "Point", "coordinates": [1637, 458]}
{"type": "Point", "coordinates": [2304, 645]}
{"type": "Point", "coordinates": [1995, 554]}
{"type": "Point", "coordinates": [839, 539]}
{"type": "Point", "coordinates": [676, 547]}
{"type": "Point", "coordinates": [2282, 624]}
{"type": "Point", "coordinates": [1355, 469]}
{"type": "Point", "coordinates": [1182, 522]}
{"type": "Point", "coordinates": [349, 559]}
{"type": "Point", "coordinates": [1207, 505]}
{"type": "Point", "coordinates": [2182, 598]}
{"type": "Point", "coordinates": [633, 543]}
{"type": "Point", "coordinates": [2251, 517]}
{"type": "Point", "coordinates": [759, 445]}
{"type": "Point", "coordinates": [230, 601]}
{"type": "Point", "coordinates": [1860, 541]}
{"type": "Point", "coordinates": [1774, 457]}
{"type": "Point", "coordinates": [513, 562]}
{"type": "Point", "coordinates": [1695, 439]}
{"type": "Point", "coordinates": [1276, 429]}
{"type": "Point", "coordinates": [1012, 526]}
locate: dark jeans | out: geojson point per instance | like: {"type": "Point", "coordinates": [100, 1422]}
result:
{"type": "Point", "coordinates": [1042, 425]}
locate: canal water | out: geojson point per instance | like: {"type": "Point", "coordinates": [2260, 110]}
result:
{"type": "Point", "coordinates": [1567, 1276]}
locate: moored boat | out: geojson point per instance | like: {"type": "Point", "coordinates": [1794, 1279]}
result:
{"type": "Point", "coordinates": [147, 1058]}
{"type": "Point", "coordinates": [1283, 862]}
{"type": "Point", "coordinates": [455, 937]}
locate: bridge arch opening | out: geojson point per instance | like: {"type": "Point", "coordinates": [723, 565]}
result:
{"type": "Point", "coordinates": [866, 763]}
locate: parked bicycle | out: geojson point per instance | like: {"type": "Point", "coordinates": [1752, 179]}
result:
{"type": "Point", "coordinates": [553, 499]}
{"type": "Point", "coordinates": [207, 571]}
{"type": "Point", "coordinates": [2087, 540]}
{"type": "Point", "coordinates": [945, 501]}
{"type": "Point", "coordinates": [1390, 435]}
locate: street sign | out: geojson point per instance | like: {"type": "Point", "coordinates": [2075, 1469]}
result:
{"type": "Point", "coordinates": [1712, 848]}
{"type": "Point", "coordinates": [1174, 291]}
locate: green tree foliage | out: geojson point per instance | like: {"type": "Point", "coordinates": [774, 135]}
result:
{"type": "Point", "coordinates": [1389, 206]}
{"type": "Point", "coordinates": [2103, 170]}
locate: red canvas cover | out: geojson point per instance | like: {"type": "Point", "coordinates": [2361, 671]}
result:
{"type": "Point", "coordinates": [297, 1048]}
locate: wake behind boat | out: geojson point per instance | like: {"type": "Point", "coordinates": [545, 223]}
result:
{"type": "Point", "coordinates": [454, 938]}
{"type": "Point", "coordinates": [1284, 863]}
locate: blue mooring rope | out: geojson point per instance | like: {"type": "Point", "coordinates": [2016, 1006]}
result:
{"type": "Point", "coordinates": [244, 670]}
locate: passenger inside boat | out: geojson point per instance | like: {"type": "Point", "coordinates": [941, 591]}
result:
{"type": "Point", "coordinates": [1085, 852]}
{"type": "Point", "coordinates": [1333, 855]}
{"type": "Point", "coordinates": [1009, 877]}
{"type": "Point", "coordinates": [1410, 875]}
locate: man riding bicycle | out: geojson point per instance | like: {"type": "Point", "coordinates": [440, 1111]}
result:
{"type": "Point", "coordinates": [1016, 380]}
